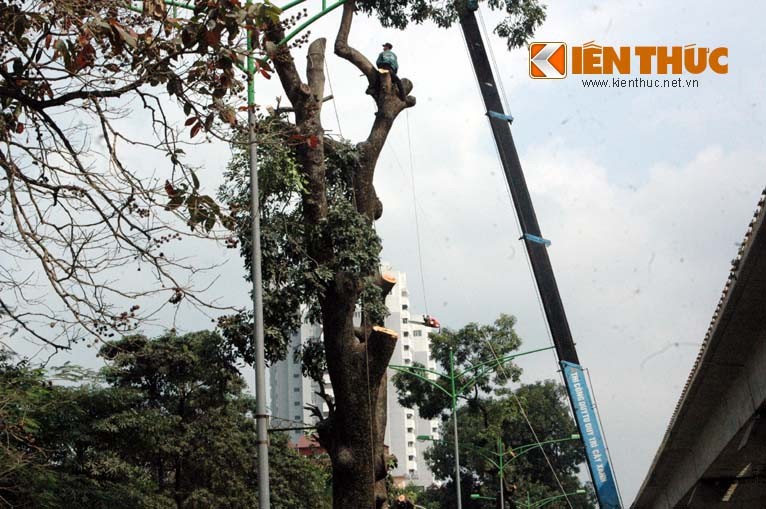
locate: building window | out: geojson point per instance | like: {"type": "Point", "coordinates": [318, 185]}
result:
{"type": "Point", "coordinates": [407, 361]}
{"type": "Point", "coordinates": [406, 347]}
{"type": "Point", "coordinates": [411, 457]}
{"type": "Point", "coordinates": [405, 334]}
{"type": "Point", "coordinates": [404, 320]}
{"type": "Point", "coordinates": [296, 375]}
{"type": "Point", "coordinates": [296, 389]}
{"type": "Point", "coordinates": [409, 430]}
{"type": "Point", "coordinates": [297, 403]}
{"type": "Point", "coordinates": [409, 415]}
{"type": "Point", "coordinates": [404, 292]}
{"type": "Point", "coordinates": [410, 444]}
{"type": "Point", "coordinates": [405, 307]}
{"type": "Point", "coordinates": [297, 417]}
{"type": "Point", "coordinates": [417, 333]}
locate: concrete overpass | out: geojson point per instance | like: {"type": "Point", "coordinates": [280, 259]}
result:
{"type": "Point", "coordinates": [714, 451]}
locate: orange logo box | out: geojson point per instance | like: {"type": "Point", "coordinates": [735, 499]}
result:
{"type": "Point", "coordinates": [548, 60]}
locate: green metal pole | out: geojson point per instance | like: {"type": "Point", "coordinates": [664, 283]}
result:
{"type": "Point", "coordinates": [501, 454]}
{"type": "Point", "coordinates": [261, 412]}
{"type": "Point", "coordinates": [454, 420]}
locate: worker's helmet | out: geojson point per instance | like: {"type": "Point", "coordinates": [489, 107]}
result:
{"type": "Point", "coordinates": [387, 45]}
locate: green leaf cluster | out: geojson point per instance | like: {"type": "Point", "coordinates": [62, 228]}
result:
{"type": "Point", "coordinates": [520, 17]}
{"type": "Point", "coordinates": [294, 277]}
{"type": "Point", "coordinates": [472, 346]}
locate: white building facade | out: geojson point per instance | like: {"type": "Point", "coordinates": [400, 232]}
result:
{"type": "Point", "coordinates": [291, 392]}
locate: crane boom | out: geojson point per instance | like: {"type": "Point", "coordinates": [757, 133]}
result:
{"type": "Point", "coordinates": [538, 253]}
{"type": "Point", "coordinates": [537, 248]}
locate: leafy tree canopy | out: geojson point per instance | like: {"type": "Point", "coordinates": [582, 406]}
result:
{"type": "Point", "coordinates": [473, 345]}
{"type": "Point", "coordinates": [528, 472]}
{"type": "Point", "coordinates": [172, 428]}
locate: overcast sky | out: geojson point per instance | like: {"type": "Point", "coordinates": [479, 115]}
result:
{"type": "Point", "coordinates": [645, 194]}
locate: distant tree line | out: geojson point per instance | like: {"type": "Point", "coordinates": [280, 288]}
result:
{"type": "Point", "coordinates": [165, 424]}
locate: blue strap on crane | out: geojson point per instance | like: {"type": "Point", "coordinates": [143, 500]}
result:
{"type": "Point", "coordinates": [536, 239]}
{"type": "Point", "coordinates": [501, 116]}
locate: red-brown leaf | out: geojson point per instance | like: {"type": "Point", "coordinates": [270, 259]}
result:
{"type": "Point", "coordinates": [196, 129]}
{"type": "Point", "coordinates": [213, 38]}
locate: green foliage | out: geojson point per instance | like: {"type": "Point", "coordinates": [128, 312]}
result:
{"type": "Point", "coordinates": [295, 481]}
{"type": "Point", "coordinates": [172, 429]}
{"type": "Point", "coordinates": [294, 279]}
{"type": "Point", "coordinates": [521, 17]}
{"type": "Point", "coordinates": [480, 427]}
{"type": "Point", "coordinates": [472, 345]}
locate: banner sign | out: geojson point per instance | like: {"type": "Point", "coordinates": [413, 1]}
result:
{"type": "Point", "coordinates": [595, 448]}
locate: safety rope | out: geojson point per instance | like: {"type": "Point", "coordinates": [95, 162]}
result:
{"type": "Point", "coordinates": [334, 97]}
{"type": "Point", "coordinates": [417, 220]}
{"type": "Point", "coordinates": [603, 433]}
{"type": "Point", "coordinates": [369, 413]}
{"type": "Point", "coordinates": [498, 76]}
{"type": "Point", "coordinates": [529, 424]}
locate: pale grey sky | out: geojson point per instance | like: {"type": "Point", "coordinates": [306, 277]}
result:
{"type": "Point", "coordinates": [644, 193]}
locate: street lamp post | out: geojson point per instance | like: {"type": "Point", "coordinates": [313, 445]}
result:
{"type": "Point", "coordinates": [498, 458]}
{"type": "Point", "coordinates": [261, 412]}
{"type": "Point", "coordinates": [453, 393]}
{"type": "Point", "coordinates": [456, 389]}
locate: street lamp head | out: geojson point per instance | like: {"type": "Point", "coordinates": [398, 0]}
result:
{"type": "Point", "coordinates": [475, 496]}
{"type": "Point", "coordinates": [575, 436]}
{"type": "Point", "coordinates": [580, 491]}
{"type": "Point", "coordinates": [423, 438]}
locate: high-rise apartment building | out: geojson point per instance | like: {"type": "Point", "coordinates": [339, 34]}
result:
{"type": "Point", "coordinates": [291, 392]}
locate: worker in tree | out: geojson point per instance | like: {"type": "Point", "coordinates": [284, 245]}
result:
{"type": "Point", "coordinates": [430, 321]}
{"type": "Point", "coordinates": [387, 63]}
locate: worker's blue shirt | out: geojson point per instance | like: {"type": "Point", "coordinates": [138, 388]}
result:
{"type": "Point", "coordinates": [388, 57]}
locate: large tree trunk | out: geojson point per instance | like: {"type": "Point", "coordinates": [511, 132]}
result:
{"type": "Point", "coordinates": [357, 357]}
